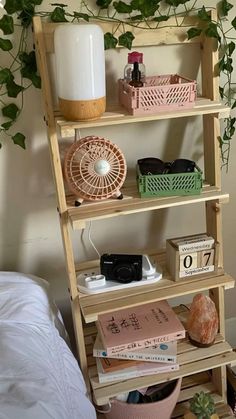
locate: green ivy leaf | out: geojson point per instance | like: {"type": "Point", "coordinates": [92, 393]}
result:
{"type": "Point", "coordinates": [5, 44]}
{"type": "Point", "coordinates": [194, 32]}
{"type": "Point", "coordinates": [136, 17]}
{"type": "Point", "coordinates": [19, 139]}
{"type": "Point", "coordinates": [13, 89]}
{"type": "Point", "coordinates": [147, 8]}
{"type": "Point", "coordinates": [7, 25]}
{"type": "Point", "coordinates": [12, 6]}
{"type": "Point", "coordinates": [122, 7]}
{"type": "Point", "coordinates": [82, 16]}
{"type": "Point", "coordinates": [212, 31]}
{"type": "Point", "coordinates": [203, 15]}
{"type": "Point", "coordinates": [7, 125]}
{"type": "Point", "coordinates": [59, 4]}
{"type": "Point", "coordinates": [36, 80]}
{"type": "Point", "coordinates": [37, 2]}
{"type": "Point", "coordinates": [6, 76]}
{"type": "Point", "coordinates": [221, 64]}
{"type": "Point", "coordinates": [176, 3]}
{"type": "Point", "coordinates": [29, 68]}
{"type": "Point", "coordinates": [232, 126]}
{"type": "Point", "coordinates": [221, 90]}
{"type": "Point", "coordinates": [231, 48]}
{"type": "Point", "coordinates": [225, 7]}
{"type": "Point", "coordinates": [162, 18]}
{"type": "Point", "coordinates": [221, 142]}
{"type": "Point", "coordinates": [126, 39]}
{"type": "Point", "coordinates": [228, 65]}
{"type": "Point", "coordinates": [226, 137]}
{"type": "Point", "coordinates": [103, 3]}
{"type": "Point", "coordinates": [233, 23]}
{"type": "Point", "coordinates": [26, 16]}
{"type": "Point", "coordinates": [58, 15]}
{"type": "Point", "coordinates": [10, 111]}
{"type": "Point", "coordinates": [109, 41]}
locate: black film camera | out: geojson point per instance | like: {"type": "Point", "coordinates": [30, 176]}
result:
{"type": "Point", "coordinates": [121, 268]}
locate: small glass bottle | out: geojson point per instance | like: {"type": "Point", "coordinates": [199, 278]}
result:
{"type": "Point", "coordinates": [136, 76]}
{"type": "Point", "coordinates": [133, 57]}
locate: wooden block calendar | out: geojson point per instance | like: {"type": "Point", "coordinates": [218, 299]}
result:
{"type": "Point", "coordinates": [191, 256]}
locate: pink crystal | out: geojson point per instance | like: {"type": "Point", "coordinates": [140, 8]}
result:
{"type": "Point", "coordinates": [202, 323]}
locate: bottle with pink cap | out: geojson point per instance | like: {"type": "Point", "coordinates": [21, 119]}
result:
{"type": "Point", "coordinates": [133, 57]}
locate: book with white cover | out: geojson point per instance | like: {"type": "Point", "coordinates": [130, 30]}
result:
{"type": "Point", "coordinates": [164, 352]}
{"type": "Point", "coordinates": [138, 370]}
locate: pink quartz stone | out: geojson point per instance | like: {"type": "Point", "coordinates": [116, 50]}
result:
{"type": "Point", "coordinates": [202, 323]}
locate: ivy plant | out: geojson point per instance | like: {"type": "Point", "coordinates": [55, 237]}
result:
{"type": "Point", "coordinates": [22, 72]}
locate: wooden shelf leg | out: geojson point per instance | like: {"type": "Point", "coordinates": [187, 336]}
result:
{"type": "Point", "coordinates": [219, 377]}
{"type": "Point", "coordinates": [74, 295]}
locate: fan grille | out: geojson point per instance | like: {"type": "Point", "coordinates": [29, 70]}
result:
{"type": "Point", "coordinates": [94, 168]}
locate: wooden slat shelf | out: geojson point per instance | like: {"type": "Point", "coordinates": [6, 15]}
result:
{"type": "Point", "coordinates": [192, 360]}
{"type": "Point", "coordinates": [93, 305]}
{"type": "Point", "coordinates": [132, 203]}
{"type": "Point", "coordinates": [118, 115]}
{"type": "Point", "coordinates": [187, 354]}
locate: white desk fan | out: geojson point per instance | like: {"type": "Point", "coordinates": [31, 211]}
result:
{"type": "Point", "coordinates": [94, 169]}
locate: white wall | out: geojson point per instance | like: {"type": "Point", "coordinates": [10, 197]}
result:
{"type": "Point", "coordinates": [29, 230]}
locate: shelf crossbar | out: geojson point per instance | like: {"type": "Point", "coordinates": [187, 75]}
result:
{"type": "Point", "coordinates": [117, 115]}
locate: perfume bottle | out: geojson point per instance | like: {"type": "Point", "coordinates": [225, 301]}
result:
{"type": "Point", "coordinates": [136, 76]}
{"type": "Point", "coordinates": [133, 57]}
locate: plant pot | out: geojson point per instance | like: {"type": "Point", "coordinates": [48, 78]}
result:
{"type": "Point", "coordinates": [191, 415]}
{"type": "Point", "coordinates": [156, 410]}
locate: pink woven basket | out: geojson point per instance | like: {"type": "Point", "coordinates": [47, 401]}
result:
{"type": "Point", "coordinates": [156, 410]}
{"type": "Point", "coordinates": [166, 92]}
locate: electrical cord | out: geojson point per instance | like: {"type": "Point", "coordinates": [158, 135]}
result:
{"type": "Point", "coordinates": [91, 241]}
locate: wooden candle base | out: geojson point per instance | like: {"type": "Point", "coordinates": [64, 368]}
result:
{"type": "Point", "coordinates": [80, 110]}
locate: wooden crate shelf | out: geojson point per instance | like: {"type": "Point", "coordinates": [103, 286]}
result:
{"type": "Point", "coordinates": [193, 362]}
{"type": "Point", "coordinates": [118, 115]}
{"type": "Point", "coordinates": [132, 203]}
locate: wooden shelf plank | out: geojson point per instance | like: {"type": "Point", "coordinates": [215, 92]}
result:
{"type": "Point", "coordinates": [93, 305]}
{"type": "Point", "coordinates": [132, 203]}
{"type": "Point", "coordinates": [118, 115]}
{"type": "Point", "coordinates": [103, 392]}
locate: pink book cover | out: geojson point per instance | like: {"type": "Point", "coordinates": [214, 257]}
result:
{"type": "Point", "coordinates": [139, 327]}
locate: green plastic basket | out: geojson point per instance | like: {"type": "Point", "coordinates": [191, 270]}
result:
{"type": "Point", "coordinates": [170, 184]}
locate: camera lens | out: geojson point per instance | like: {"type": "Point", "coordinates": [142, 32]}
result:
{"type": "Point", "coordinates": [124, 273]}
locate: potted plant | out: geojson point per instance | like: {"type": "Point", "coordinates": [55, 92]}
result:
{"type": "Point", "coordinates": [202, 406]}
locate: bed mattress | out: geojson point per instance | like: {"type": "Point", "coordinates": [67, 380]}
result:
{"type": "Point", "coordinates": [39, 376]}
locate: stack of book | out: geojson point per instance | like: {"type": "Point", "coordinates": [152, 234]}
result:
{"type": "Point", "coordinates": [137, 341]}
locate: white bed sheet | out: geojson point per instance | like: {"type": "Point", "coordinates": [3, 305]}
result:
{"type": "Point", "coordinates": [39, 376]}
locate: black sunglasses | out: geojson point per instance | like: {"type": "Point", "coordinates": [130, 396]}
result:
{"type": "Point", "coordinates": [155, 166]}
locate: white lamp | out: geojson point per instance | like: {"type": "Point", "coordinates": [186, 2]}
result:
{"type": "Point", "coordinates": [80, 71]}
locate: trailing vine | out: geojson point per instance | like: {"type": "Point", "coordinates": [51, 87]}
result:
{"type": "Point", "coordinates": [21, 72]}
